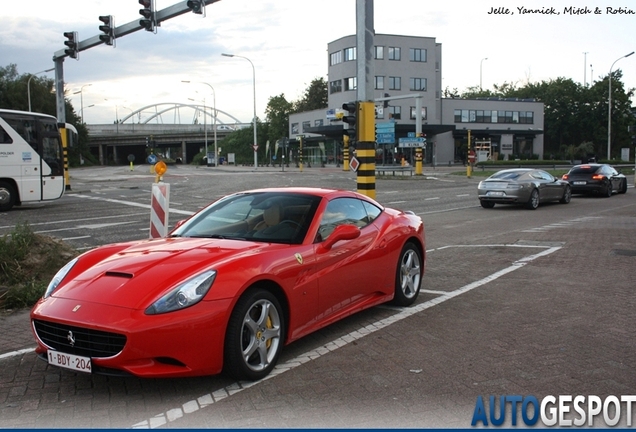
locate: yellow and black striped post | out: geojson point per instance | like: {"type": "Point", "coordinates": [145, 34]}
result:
{"type": "Point", "coordinates": [418, 161]}
{"type": "Point", "coordinates": [365, 149]}
{"type": "Point", "coordinates": [345, 153]}
{"type": "Point", "coordinates": [65, 144]}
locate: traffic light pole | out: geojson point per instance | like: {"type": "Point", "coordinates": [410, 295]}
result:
{"type": "Point", "coordinates": [123, 30]}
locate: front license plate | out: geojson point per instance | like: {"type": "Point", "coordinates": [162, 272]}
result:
{"type": "Point", "coordinates": [578, 183]}
{"type": "Point", "coordinates": [495, 193]}
{"type": "Point", "coordinates": [70, 361]}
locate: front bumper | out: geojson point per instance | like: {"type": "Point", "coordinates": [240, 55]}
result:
{"type": "Point", "coordinates": [183, 343]}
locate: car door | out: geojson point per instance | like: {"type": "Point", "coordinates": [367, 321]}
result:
{"type": "Point", "coordinates": [614, 177]}
{"type": "Point", "coordinates": [347, 270]}
{"type": "Point", "coordinates": [552, 186]}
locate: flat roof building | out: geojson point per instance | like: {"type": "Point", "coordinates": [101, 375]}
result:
{"type": "Point", "coordinates": [411, 65]}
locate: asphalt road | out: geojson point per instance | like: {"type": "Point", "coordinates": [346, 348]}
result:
{"type": "Point", "coordinates": [514, 302]}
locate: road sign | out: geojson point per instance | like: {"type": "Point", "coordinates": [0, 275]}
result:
{"type": "Point", "coordinates": [354, 164]}
{"type": "Point", "coordinates": [411, 142]}
{"type": "Point", "coordinates": [152, 159]}
{"type": "Point", "coordinates": [385, 133]}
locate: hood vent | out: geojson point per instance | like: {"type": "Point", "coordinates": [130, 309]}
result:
{"type": "Point", "coordinates": [119, 274]}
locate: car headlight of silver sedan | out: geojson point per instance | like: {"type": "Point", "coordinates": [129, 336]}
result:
{"type": "Point", "coordinates": [184, 295]}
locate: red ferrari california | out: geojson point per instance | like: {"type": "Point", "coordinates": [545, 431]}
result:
{"type": "Point", "coordinates": [230, 286]}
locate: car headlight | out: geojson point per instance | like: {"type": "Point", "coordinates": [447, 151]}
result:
{"type": "Point", "coordinates": [184, 295]}
{"type": "Point", "coordinates": [59, 276]}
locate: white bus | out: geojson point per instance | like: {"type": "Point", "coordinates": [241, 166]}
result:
{"type": "Point", "coordinates": [31, 158]}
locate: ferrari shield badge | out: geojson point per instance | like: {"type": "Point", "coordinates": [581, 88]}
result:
{"type": "Point", "coordinates": [299, 258]}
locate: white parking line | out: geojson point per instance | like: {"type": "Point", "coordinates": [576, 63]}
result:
{"type": "Point", "coordinates": [210, 398]}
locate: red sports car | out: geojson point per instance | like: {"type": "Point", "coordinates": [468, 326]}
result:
{"type": "Point", "coordinates": [229, 286]}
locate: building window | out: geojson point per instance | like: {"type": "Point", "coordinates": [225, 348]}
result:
{"type": "Point", "coordinates": [320, 122]}
{"type": "Point", "coordinates": [335, 86]}
{"type": "Point", "coordinates": [335, 58]}
{"type": "Point", "coordinates": [306, 125]}
{"type": "Point", "coordinates": [294, 129]}
{"type": "Point", "coordinates": [417, 84]}
{"type": "Point", "coordinates": [413, 111]}
{"type": "Point", "coordinates": [395, 112]}
{"type": "Point", "coordinates": [395, 83]}
{"type": "Point", "coordinates": [394, 53]}
{"type": "Point", "coordinates": [379, 83]}
{"type": "Point", "coordinates": [379, 52]}
{"type": "Point", "coordinates": [351, 83]}
{"type": "Point", "coordinates": [417, 55]}
{"type": "Point", "coordinates": [350, 54]}
{"type": "Point", "coordinates": [488, 116]}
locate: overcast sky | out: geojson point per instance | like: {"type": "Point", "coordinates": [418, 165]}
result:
{"type": "Point", "coordinates": [286, 40]}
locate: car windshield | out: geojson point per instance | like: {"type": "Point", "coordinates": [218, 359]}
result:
{"type": "Point", "coordinates": [276, 217]}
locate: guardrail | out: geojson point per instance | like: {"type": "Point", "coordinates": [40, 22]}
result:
{"type": "Point", "coordinates": [393, 169]}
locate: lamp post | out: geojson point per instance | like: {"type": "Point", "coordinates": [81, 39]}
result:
{"type": "Point", "coordinates": [29, 84]}
{"type": "Point", "coordinates": [81, 93]}
{"type": "Point", "coordinates": [216, 151]}
{"type": "Point", "coordinates": [480, 68]}
{"type": "Point", "coordinates": [82, 111]}
{"type": "Point", "coordinates": [254, 84]}
{"type": "Point", "coordinates": [609, 107]}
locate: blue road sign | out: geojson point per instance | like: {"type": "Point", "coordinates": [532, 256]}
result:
{"type": "Point", "coordinates": [411, 142]}
{"type": "Point", "coordinates": [152, 159]}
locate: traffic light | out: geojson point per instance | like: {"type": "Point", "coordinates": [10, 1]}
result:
{"type": "Point", "coordinates": [107, 29]}
{"type": "Point", "coordinates": [148, 12]}
{"type": "Point", "coordinates": [351, 119]}
{"type": "Point", "coordinates": [72, 43]}
{"type": "Point", "coordinates": [196, 6]}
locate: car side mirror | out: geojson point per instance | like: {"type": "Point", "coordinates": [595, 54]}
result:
{"type": "Point", "coordinates": [341, 232]}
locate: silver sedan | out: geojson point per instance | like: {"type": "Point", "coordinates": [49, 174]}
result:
{"type": "Point", "coordinates": [524, 186]}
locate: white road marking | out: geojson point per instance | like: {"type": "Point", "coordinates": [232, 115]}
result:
{"type": "Point", "coordinates": [133, 204]}
{"type": "Point", "coordinates": [211, 398]}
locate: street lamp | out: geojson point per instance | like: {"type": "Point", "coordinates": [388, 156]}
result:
{"type": "Point", "coordinates": [480, 67]}
{"type": "Point", "coordinates": [216, 151]}
{"type": "Point", "coordinates": [254, 84]}
{"type": "Point", "coordinates": [81, 93]}
{"type": "Point", "coordinates": [82, 111]}
{"type": "Point", "coordinates": [29, 84]}
{"type": "Point", "coordinates": [609, 107]}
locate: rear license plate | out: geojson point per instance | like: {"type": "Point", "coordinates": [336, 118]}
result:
{"type": "Point", "coordinates": [495, 193]}
{"type": "Point", "coordinates": [70, 361]}
{"type": "Point", "coordinates": [578, 183]}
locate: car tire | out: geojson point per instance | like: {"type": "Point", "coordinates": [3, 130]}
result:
{"type": "Point", "coordinates": [408, 276]}
{"type": "Point", "coordinates": [255, 336]}
{"type": "Point", "coordinates": [567, 195]}
{"type": "Point", "coordinates": [533, 202]}
{"type": "Point", "coordinates": [487, 204]}
{"type": "Point", "coordinates": [623, 188]}
{"type": "Point", "coordinates": [7, 196]}
{"type": "Point", "coordinates": [608, 190]}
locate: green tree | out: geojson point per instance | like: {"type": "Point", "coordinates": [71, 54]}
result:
{"type": "Point", "coordinates": [316, 96]}
{"type": "Point", "coordinates": [277, 116]}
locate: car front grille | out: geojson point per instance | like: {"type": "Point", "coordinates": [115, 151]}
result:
{"type": "Point", "coordinates": [78, 340]}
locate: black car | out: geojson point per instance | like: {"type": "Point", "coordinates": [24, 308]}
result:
{"type": "Point", "coordinates": [600, 179]}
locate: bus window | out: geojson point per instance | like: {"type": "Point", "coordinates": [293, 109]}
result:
{"type": "Point", "coordinates": [4, 137]}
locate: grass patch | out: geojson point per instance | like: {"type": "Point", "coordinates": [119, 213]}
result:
{"type": "Point", "coordinates": [28, 262]}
